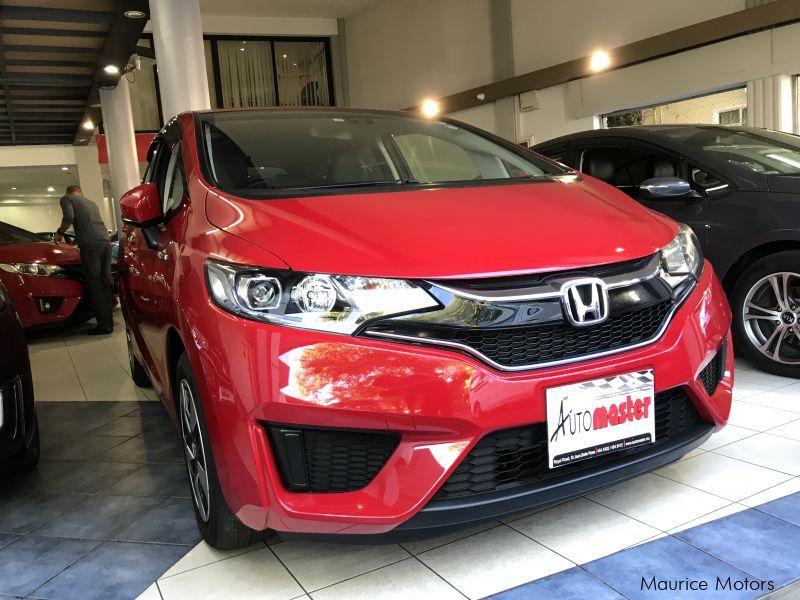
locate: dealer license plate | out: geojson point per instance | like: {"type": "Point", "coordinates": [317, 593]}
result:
{"type": "Point", "coordinates": [589, 419]}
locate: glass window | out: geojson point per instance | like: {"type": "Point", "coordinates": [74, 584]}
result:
{"type": "Point", "coordinates": [212, 89]}
{"type": "Point", "coordinates": [174, 187]}
{"type": "Point", "coordinates": [302, 73]}
{"type": "Point", "coordinates": [765, 152]}
{"type": "Point", "coordinates": [15, 235]}
{"type": "Point", "coordinates": [245, 70]}
{"type": "Point", "coordinates": [725, 108]}
{"type": "Point", "coordinates": [707, 183]}
{"type": "Point", "coordinates": [263, 151]}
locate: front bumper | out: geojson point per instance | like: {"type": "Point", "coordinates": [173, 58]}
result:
{"type": "Point", "coordinates": [26, 292]}
{"type": "Point", "coordinates": [440, 403]}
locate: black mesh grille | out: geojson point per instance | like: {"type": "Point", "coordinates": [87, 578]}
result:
{"type": "Point", "coordinates": [711, 374]}
{"type": "Point", "coordinates": [518, 456]}
{"type": "Point", "coordinates": [330, 460]}
{"type": "Point", "coordinates": [535, 344]}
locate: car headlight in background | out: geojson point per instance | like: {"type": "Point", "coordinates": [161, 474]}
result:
{"type": "Point", "coordinates": [682, 260]}
{"type": "Point", "coordinates": [30, 269]}
{"type": "Point", "coordinates": [333, 303]}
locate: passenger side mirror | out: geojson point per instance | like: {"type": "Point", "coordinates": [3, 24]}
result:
{"type": "Point", "coordinates": [664, 187]}
{"type": "Point", "coordinates": [141, 206]}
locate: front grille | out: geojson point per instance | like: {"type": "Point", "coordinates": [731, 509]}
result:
{"type": "Point", "coordinates": [536, 344]}
{"type": "Point", "coordinates": [326, 460]}
{"type": "Point", "coordinates": [514, 457]}
{"type": "Point", "coordinates": [712, 373]}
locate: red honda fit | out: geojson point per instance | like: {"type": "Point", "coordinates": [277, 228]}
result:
{"type": "Point", "coordinates": [366, 322]}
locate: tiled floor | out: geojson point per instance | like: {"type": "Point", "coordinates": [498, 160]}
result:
{"type": "Point", "coordinates": [103, 526]}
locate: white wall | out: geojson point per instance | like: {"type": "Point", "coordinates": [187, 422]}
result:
{"type": "Point", "coordinates": [34, 215]}
{"type": "Point", "coordinates": [549, 33]}
{"type": "Point", "coordinates": [399, 52]}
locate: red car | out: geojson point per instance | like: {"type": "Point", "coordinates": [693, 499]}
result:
{"type": "Point", "coordinates": [43, 279]}
{"type": "Point", "coordinates": [366, 322]}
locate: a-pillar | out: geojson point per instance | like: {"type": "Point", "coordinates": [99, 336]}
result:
{"type": "Point", "coordinates": [123, 163]}
{"type": "Point", "coordinates": [180, 56]}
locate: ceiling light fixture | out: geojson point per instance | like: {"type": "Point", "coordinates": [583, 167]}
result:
{"type": "Point", "coordinates": [430, 108]}
{"type": "Point", "coordinates": [65, 168]}
{"type": "Point", "coordinates": [599, 61]}
{"type": "Point", "coordinates": [13, 188]}
{"type": "Point", "coordinates": [134, 14]}
{"type": "Point", "coordinates": [87, 124]}
{"type": "Point", "coordinates": [111, 69]}
{"type": "Point", "coordinates": [50, 188]}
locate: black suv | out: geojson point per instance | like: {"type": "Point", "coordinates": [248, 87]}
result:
{"type": "Point", "coordinates": [739, 189]}
{"type": "Point", "coordinates": [19, 427]}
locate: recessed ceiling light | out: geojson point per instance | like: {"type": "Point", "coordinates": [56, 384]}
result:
{"type": "Point", "coordinates": [13, 188]}
{"type": "Point", "coordinates": [134, 14]}
{"type": "Point", "coordinates": [65, 168]}
{"type": "Point", "coordinates": [50, 188]}
{"type": "Point", "coordinates": [430, 108]}
{"type": "Point", "coordinates": [285, 56]}
{"type": "Point", "coordinates": [87, 124]}
{"type": "Point", "coordinates": [599, 61]}
{"type": "Point", "coordinates": [242, 49]}
{"type": "Point", "coordinates": [111, 69]}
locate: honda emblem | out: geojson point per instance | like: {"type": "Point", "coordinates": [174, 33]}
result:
{"type": "Point", "coordinates": [585, 301]}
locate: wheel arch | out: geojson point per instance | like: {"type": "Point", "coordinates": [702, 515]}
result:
{"type": "Point", "coordinates": [175, 348]}
{"type": "Point", "coordinates": [748, 258]}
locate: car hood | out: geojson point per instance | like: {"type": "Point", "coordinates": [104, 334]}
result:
{"type": "Point", "coordinates": [449, 232]}
{"type": "Point", "coordinates": [40, 252]}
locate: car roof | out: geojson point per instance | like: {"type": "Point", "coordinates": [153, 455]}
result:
{"type": "Point", "coordinates": [643, 132]}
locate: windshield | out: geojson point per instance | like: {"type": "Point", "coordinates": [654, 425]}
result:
{"type": "Point", "coordinates": [14, 235]}
{"type": "Point", "coordinates": [263, 153]}
{"type": "Point", "coordinates": [767, 152]}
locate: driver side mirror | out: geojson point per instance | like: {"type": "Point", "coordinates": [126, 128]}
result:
{"type": "Point", "coordinates": [665, 187]}
{"type": "Point", "coordinates": [141, 206]}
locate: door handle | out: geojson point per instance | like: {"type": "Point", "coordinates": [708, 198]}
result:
{"type": "Point", "coordinates": [163, 255]}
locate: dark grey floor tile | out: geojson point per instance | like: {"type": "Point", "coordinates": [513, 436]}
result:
{"type": "Point", "coordinates": [31, 560]}
{"type": "Point", "coordinates": [127, 426]}
{"type": "Point", "coordinates": [115, 570]}
{"type": "Point", "coordinates": [98, 517]}
{"type": "Point", "coordinates": [38, 478]}
{"type": "Point", "coordinates": [78, 447]}
{"type": "Point", "coordinates": [88, 477]}
{"type": "Point", "coordinates": [171, 522]}
{"type": "Point", "coordinates": [150, 409]}
{"type": "Point", "coordinates": [7, 538]}
{"type": "Point", "coordinates": [154, 479]}
{"type": "Point", "coordinates": [147, 448]}
{"type": "Point", "coordinates": [25, 511]}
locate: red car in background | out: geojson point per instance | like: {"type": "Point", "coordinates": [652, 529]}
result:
{"type": "Point", "coordinates": [365, 322]}
{"type": "Point", "coordinates": [44, 280]}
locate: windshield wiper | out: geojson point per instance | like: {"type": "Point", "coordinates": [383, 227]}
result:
{"type": "Point", "coordinates": [332, 186]}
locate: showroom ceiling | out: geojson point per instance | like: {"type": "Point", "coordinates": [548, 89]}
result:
{"type": "Point", "coordinates": [324, 9]}
{"type": "Point", "coordinates": [52, 56]}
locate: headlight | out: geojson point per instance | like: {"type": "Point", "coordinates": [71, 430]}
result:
{"type": "Point", "coordinates": [682, 259]}
{"type": "Point", "coordinates": [30, 268]}
{"type": "Point", "coordinates": [334, 303]}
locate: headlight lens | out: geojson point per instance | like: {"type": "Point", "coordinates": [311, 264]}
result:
{"type": "Point", "coordinates": [682, 259]}
{"type": "Point", "coordinates": [334, 303]}
{"type": "Point", "coordinates": [30, 268]}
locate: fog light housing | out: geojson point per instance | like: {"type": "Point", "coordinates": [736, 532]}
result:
{"type": "Point", "coordinates": [48, 306]}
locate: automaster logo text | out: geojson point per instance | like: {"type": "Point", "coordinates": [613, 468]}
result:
{"type": "Point", "coordinates": [601, 417]}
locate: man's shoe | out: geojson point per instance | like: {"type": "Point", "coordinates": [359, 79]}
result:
{"type": "Point", "coordinates": [100, 330]}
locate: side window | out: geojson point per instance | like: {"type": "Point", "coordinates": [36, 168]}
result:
{"type": "Point", "coordinates": [707, 183]}
{"type": "Point", "coordinates": [174, 183]}
{"type": "Point", "coordinates": [152, 158]}
{"type": "Point", "coordinates": [627, 167]}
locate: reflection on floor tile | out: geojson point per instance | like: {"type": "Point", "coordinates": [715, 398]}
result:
{"type": "Point", "coordinates": [573, 584]}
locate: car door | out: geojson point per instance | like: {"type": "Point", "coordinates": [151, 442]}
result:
{"type": "Point", "coordinates": [633, 162]}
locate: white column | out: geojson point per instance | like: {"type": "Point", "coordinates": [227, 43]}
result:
{"type": "Point", "coordinates": [91, 180]}
{"type": "Point", "coordinates": [770, 103]}
{"type": "Point", "coordinates": [120, 140]}
{"type": "Point", "coordinates": [180, 56]}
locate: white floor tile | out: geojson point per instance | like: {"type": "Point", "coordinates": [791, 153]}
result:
{"type": "Point", "coordinates": [693, 453]}
{"type": "Point", "coordinates": [723, 476]}
{"type": "Point", "coordinates": [150, 593]}
{"type": "Point", "coordinates": [766, 450]}
{"type": "Point", "coordinates": [421, 546]}
{"type": "Point", "coordinates": [790, 430]}
{"type": "Point", "coordinates": [492, 561]}
{"type": "Point", "coordinates": [658, 502]}
{"type": "Point", "coordinates": [752, 416]}
{"type": "Point", "coordinates": [202, 555]}
{"type": "Point", "coordinates": [725, 511]}
{"type": "Point", "coordinates": [400, 581]}
{"type": "Point", "coordinates": [61, 387]}
{"type": "Point", "coordinates": [750, 382]}
{"type": "Point", "coordinates": [786, 488]}
{"type": "Point", "coordinates": [727, 435]}
{"type": "Point", "coordinates": [256, 575]}
{"type": "Point", "coordinates": [318, 565]}
{"type": "Point", "coordinates": [605, 532]}
{"type": "Point", "coordinates": [784, 398]}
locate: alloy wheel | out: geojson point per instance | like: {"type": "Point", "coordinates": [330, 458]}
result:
{"type": "Point", "coordinates": [771, 316]}
{"type": "Point", "coordinates": [195, 451]}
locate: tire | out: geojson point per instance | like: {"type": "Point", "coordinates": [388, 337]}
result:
{"type": "Point", "coordinates": [218, 525]}
{"type": "Point", "coordinates": [766, 322]}
{"type": "Point", "coordinates": [138, 373]}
